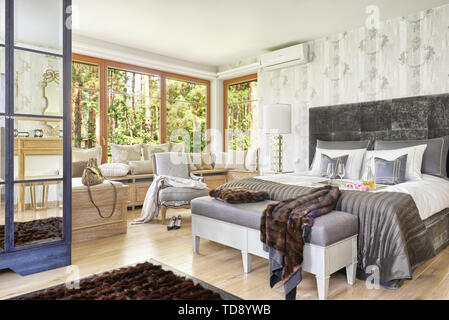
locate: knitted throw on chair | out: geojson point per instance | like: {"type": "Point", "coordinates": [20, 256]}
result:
{"type": "Point", "coordinates": [284, 224]}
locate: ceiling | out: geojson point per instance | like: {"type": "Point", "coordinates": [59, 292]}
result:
{"type": "Point", "coordinates": [218, 32]}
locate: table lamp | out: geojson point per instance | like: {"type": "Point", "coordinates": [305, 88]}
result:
{"type": "Point", "coordinates": [277, 122]}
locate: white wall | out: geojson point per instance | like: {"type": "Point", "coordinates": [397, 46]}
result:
{"type": "Point", "coordinates": [404, 57]}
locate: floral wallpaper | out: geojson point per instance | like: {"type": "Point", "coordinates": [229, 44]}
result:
{"type": "Point", "coordinates": [408, 56]}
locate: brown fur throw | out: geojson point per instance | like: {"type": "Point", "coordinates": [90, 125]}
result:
{"type": "Point", "coordinates": [239, 195]}
{"type": "Point", "coordinates": [142, 282]}
{"type": "Point", "coordinates": [282, 224]}
{"type": "Point", "coordinates": [32, 232]}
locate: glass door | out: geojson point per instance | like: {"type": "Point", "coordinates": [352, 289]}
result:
{"type": "Point", "coordinates": [35, 135]}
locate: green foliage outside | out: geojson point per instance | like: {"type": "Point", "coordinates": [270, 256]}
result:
{"type": "Point", "coordinates": [186, 109]}
{"type": "Point", "coordinates": [134, 108]}
{"type": "Point", "coordinates": [134, 104]}
{"type": "Point", "coordinates": [241, 105]}
{"type": "Point", "coordinates": [85, 91]}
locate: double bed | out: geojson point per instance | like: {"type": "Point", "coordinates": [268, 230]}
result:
{"type": "Point", "coordinates": [402, 225]}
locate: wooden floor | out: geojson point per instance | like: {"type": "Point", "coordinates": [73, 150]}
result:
{"type": "Point", "coordinates": [217, 265]}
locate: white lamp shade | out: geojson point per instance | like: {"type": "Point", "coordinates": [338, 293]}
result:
{"type": "Point", "coordinates": [278, 119]}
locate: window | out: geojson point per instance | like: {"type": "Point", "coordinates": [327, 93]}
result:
{"type": "Point", "coordinates": [186, 111]}
{"type": "Point", "coordinates": [85, 105]}
{"type": "Point", "coordinates": [240, 113]}
{"type": "Point", "coordinates": [134, 107]}
{"type": "Point", "coordinates": [124, 104]}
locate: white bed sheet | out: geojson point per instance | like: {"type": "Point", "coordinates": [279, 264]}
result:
{"type": "Point", "coordinates": [431, 195]}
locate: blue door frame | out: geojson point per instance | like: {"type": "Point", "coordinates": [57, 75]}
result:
{"type": "Point", "coordinates": [44, 256]}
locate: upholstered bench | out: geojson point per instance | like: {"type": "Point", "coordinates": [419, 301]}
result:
{"type": "Point", "coordinates": [333, 239]}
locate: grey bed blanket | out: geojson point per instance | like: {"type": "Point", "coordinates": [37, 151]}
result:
{"type": "Point", "coordinates": [392, 235]}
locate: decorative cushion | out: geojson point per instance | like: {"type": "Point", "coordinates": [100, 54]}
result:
{"type": "Point", "coordinates": [177, 147]}
{"type": "Point", "coordinates": [414, 160]}
{"type": "Point", "coordinates": [124, 154]}
{"type": "Point", "coordinates": [435, 156]}
{"type": "Point", "coordinates": [219, 160]}
{"type": "Point", "coordinates": [239, 195]}
{"type": "Point", "coordinates": [252, 159]}
{"type": "Point", "coordinates": [78, 168]}
{"type": "Point", "coordinates": [206, 161]}
{"type": "Point", "coordinates": [150, 149]}
{"type": "Point", "coordinates": [195, 161]}
{"type": "Point", "coordinates": [114, 169]}
{"type": "Point", "coordinates": [353, 165]}
{"type": "Point", "coordinates": [326, 161]}
{"type": "Point", "coordinates": [235, 160]}
{"type": "Point", "coordinates": [181, 194]}
{"type": "Point", "coordinates": [390, 172]}
{"type": "Point", "coordinates": [86, 154]}
{"type": "Point", "coordinates": [141, 167]}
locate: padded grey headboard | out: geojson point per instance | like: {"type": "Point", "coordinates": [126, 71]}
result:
{"type": "Point", "coordinates": [411, 118]}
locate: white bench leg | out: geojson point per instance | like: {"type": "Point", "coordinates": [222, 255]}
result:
{"type": "Point", "coordinates": [247, 258]}
{"type": "Point", "coordinates": [196, 244]}
{"type": "Point", "coordinates": [323, 287]}
{"type": "Point", "coordinates": [350, 273]}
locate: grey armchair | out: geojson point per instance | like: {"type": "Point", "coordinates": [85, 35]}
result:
{"type": "Point", "coordinates": [174, 197]}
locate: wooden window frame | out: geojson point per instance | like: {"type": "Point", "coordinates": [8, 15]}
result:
{"type": "Point", "coordinates": [226, 84]}
{"type": "Point", "coordinates": [104, 64]}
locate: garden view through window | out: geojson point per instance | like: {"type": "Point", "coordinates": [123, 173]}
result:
{"type": "Point", "coordinates": [85, 105]}
{"type": "Point", "coordinates": [241, 108]}
{"type": "Point", "coordinates": [128, 107]}
{"type": "Point", "coordinates": [186, 111]}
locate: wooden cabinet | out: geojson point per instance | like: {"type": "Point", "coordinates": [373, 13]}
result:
{"type": "Point", "coordinates": [234, 175]}
{"type": "Point", "coordinates": [87, 223]}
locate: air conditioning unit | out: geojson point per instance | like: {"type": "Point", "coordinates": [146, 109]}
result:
{"type": "Point", "coordinates": [286, 57]}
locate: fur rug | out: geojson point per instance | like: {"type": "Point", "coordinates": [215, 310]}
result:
{"type": "Point", "coordinates": [239, 195]}
{"type": "Point", "coordinates": [32, 232]}
{"type": "Point", "coordinates": [142, 282]}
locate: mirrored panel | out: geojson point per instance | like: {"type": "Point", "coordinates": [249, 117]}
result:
{"type": "Point", "coordinates": [38, 149]}
{"type": "Point", "coordinates": [2, 217]}
{"type": "Point", "coordinates": [2, 21]}
{"type": "Point", "coordinates": [37, 213]}
{"type": "Point", "coordinates": [38, 24]}
{"type": "Point", "coordinates": [37, 84]}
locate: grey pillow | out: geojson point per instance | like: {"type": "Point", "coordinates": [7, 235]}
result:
{"type": "Point", "coordinates": [390, 172]}
{"type": "Point", "coordinates": [340, 145]}
{"type": "Point", "coordinates": [435, 156]}
{"type": "Point", "coordinates": [326, 161]}
{"type": "Point", "coordinates": [343, 145]}
{"type": "Point", "coordinates": [78, 168]}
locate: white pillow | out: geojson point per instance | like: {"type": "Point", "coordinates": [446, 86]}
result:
{"type": "Point", "coordinates": [85, 155]}
{"type": "Point", "coordinates": [353, 165]}
{"type": "Point", "coordinates": [219, 160]}
{"type": "Point", "coordinates": [177, 147]}
{"type": "Point", "coordinates": [251, 161]}
{"type": "Point", "coordinates": [114, 169]}
{"type": "Point", "coordinates": [124, 154]}
{"type": "Point", "coordinates": [150, 149]}
{"type": "Point", "coordinates": [414, 160]}
{"type": "Point", "coordinates": [235, 160]}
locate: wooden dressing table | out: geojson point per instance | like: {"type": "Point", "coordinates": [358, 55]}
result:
{"type": "Point", "coordinates": [24, 147]}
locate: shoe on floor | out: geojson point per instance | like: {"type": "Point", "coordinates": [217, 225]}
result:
{"type": "Point", "coordinates": [178, 223]}
{"type": "Point", "coordinates": [171, 224]}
